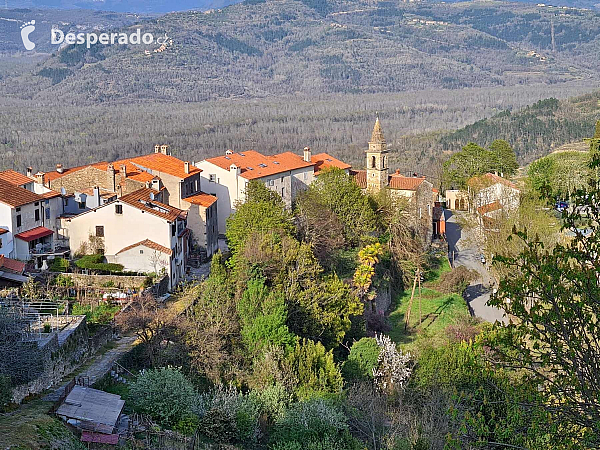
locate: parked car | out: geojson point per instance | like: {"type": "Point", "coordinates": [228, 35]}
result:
{"type": "Point", "coordinates": [561, 206]}
{"type": "Point", "coordinates": [482, 257]}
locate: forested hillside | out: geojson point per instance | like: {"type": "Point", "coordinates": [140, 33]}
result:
{"type": "Point", "coordinates": [263, 48]}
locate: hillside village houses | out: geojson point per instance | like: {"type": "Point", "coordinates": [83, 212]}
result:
{"type": "Point", "coordinates": [150, 213]}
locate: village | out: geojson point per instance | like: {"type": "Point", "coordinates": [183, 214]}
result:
{"type": "Point", "coordinates": [107, 235]}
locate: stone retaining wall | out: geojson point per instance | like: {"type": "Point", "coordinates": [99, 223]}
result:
{"type": "Point", "coordinates": [118, 281]}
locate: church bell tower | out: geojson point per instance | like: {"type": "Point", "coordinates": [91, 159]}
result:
{"type": "Point", "coordinates": [377, 160]}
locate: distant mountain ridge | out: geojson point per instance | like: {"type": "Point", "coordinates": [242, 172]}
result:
{"type": "Point", "coordinates": [132, 6]}
{"type": "Point", "coordinates": [264, 48]}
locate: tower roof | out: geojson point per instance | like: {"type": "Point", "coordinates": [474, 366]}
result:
{"type": "Point", "coordinates": [377, 135]}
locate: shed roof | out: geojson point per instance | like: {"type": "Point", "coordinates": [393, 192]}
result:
{"type": "Point", "coordinates": [93, 406]}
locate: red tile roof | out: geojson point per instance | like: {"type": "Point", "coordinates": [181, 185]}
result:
{"type": "Point", "coordinates": [141, 200]}
{"type": "Point", "coordinates": [3, 231]}
{"type": "Point", "coordinates": [323, 161]}
{"type": "Point", "coordinates": [494, 206]}
{"type": "Point", "coordinates": [489, 179]}
{"type": "Point", "coordinates": [163, 163]}
{"type": "Point", "coordinates": [202, 199]}
{"type": "Point", "coordinates": [11, 265]}
{"type": "Point", "coordinates": [51, 176]}
{"type": "Point", "coordinates": [34, 233]}
{"type": "Point", "coordinates": [397, 181]}
{"type": "Point", "coordinates": [15, 177]}
{"type": "Point", "coordinates": [150, 244]}
{"type": "Point", "coordinates": [50, 194]}
{"type": "Point", "coordinates": [360, 178]}
{"type": "Point", "coordinates": [256, 165]}
{"type": "Point", "coordinates": [14, 195]}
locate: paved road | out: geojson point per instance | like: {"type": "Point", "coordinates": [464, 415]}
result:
{"type": "Point", "coordinates": [465, 252]}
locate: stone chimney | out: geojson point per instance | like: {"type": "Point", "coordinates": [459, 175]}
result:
{"type": "Point", "coordinates": [123, 170]}
{"type": "Point", "coordinates": [307, 154]}
{"type": "Point", "coordinates": [39, 177]}
{"type": "Point", "coordinates": [30, 172]}
{"type": "Point", "coordinates": [164, 149]}
{"type": "Point", "coordinates": [119, 190]}
{"type": "Point", "coordinates": [186, 167]}
{"type": "Point", "coordinates": [110, 171]}
{"type": "Point", "coordinates": [59, 168]}
{"type": "Point", "coordinates": [157, 148]}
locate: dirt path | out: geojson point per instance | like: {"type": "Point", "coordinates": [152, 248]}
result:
{"type": "Point", "coordinates": [99, 366]}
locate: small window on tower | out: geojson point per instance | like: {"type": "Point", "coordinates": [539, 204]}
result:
{"type": "Point", "coordinates": [372, 162]}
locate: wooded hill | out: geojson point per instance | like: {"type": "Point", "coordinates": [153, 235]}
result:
{"type": "Point", "coordinates": [263, 48]}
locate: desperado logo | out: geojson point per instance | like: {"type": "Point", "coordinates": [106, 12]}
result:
{"type": "Point", "coordinates": [89, 39]}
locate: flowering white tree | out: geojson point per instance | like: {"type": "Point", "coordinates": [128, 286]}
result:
{"type": "Point", "coordinates": [393, 367]}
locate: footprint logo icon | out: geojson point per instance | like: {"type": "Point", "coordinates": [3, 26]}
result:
{"type": "Point", "coordinates": [26, 30]}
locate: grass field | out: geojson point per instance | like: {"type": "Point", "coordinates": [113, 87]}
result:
{"type": "Point", "coordinates": [431, 312]}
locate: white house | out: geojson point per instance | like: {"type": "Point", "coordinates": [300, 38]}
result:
{"type": "Point", "coordinates": [227, 176]}
{"type": "Point", "coordinates": [29, 220]}
{"type": "Point", "coordinates": [137, 231]}
{"type": "Point", "coordinates": [490, 188]}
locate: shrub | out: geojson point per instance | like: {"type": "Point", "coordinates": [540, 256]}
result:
{"type": "Point", "coordinates": [456, 281]}
{"type": "Point", "coordinates": [102, 314]}
{"type": "Point", "coordinates": [5, 390]}
{"type": "Point", "coordinates": [317, 423]}
{"type": "Point", "coordinates": [96, 263]}
{"type": "Point", "coordinates": [47, 328]}
{"type": "Point", "coordinates": [164, 393]}
{"type": "Point", "coordinates": [59, 265]}
{"type": "Point", "coordinates": [227, 415]}
{"type": "Point", "coordinates": [362, 360]}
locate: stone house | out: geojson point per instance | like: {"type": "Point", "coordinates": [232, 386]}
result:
{"type": "Point", "coordinates": [490, 188]}
{"type": "Point", "coordinates": [136, 230]}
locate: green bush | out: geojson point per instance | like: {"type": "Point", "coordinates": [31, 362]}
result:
{"type": "Point", "coordinates": [165, 394]}
{"type": "Point", "coordinates": [313, 424]}
{"type": "Point", "coordinates": [5, 390]}
{"type": "Point", "coordinates": [362, 360]}
{"type": "Point", "coordinates": [47, 328]}
{"type": "Point", "coordinates": [96, 262]}
{"type": "Point", "coordinates": [59, 265]}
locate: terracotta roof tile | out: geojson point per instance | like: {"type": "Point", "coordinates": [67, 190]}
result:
{"type": "Point", "coordinates": [489, 179]}
{"type": "Point", "coordinates": [323, 161]}
{"type": "Point", "coordinates": [3, 231]}
{"type": "Point", "coordinates": [494, 206]}
{"type": "Point", "coordinates": [141, 200]}
{"type": "Point", "coordinates": [51, 176]}
{"type": "Point", "coordinates": [14, 195]}
{"type": "Point", "coordinates": [50, 194]}
{"type": "Point", "coordinates": [15, 177]}
{"type": "Point", "coordinates": [202, 199]}
{"type": "Point", "coordinates": [360, 178]}
{"type": "Point", "coordinates": [164, 163]}
{"type": "Point", "coordinates": [256, 165]}
{"type": "Point", "coordinates": [34, 233]}
{"type": "Point", "coordinates": [397, 181]}
{"type": "Point", "coordinates": [11, 265]}
{"type": "Point", "coordinates": [150, 244]}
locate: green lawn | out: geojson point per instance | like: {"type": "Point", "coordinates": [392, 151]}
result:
{"type": "Point", "coordinates": [437, 311]}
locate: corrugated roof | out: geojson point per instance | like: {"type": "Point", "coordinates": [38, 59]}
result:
{"type": "Point", "coordinates": [141, 200]}
{"type": "Point", "coordinates": [323, 161]}
{"type": "Point", "coordinates": [256, 165]}
{"type": "Point", "coordinates": [15, 177]}
{"type": "Point", "coordinates": [202, 199]}
{"type": "Point", "coordinates": [150, 244]}
{"type": "Point", "coordinates": [14, 195]}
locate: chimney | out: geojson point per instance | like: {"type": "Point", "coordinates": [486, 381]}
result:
{"type": "Point", "coordinates": [236, 169]}
{"type": "Point", "coordinates": [110, 170]}
{"type": "Point", "coordinates": [186, 167]}
{"type": "Point", "coordinates": [30, 172]}
{"type": "Point", "coordinates": [97, 195]}
{"type": "Point", "coordinates": [157, 148]}
{"type": "Point", "coordinates": [39, 177]}
{"type": "Point", "coordinates": [59, 168]}
{"type": "Point", "coordinates": [229, 152]}
{"type": "Point", "coordinates": [307, 154]}
{"type": "Point", "coordinates": [152, 196]}
{"type": "Point", "coordinates": [119, 190]}
{"type": "Point", "coordinates": [397, 171]}
{"type": "Point", "coordinates": [123, 170]}
{"type": "Point", "coordinates": [155, 184]}
{"type": "Point", "coordinates": [164, 149]}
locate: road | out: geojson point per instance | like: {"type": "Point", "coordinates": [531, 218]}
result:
{"type": "Point", "coordinates": [467, 253]}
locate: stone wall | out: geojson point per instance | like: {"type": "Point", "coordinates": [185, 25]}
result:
{"type": "Point", "coordinates": [58, 359]}
{"type": "Point", "coordinates": [383, 300]}
{"type": "Point", "coordinates": [119, 281]}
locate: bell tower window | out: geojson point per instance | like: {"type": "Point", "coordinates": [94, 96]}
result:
{"type": "Point", "coordinates": [372, 162]}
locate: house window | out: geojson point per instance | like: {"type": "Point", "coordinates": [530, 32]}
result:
{"type": "Point", "coordinates": [99, 230]}
{"type": "Point", "coordinates": [212, 177]}
{"type": "Point", "coordinates": [173, 230]}
{"type": "Point", "coordinates": [0, 243]}
{"type": "Point", "coordinates": [37, 203]}
{"type": "Point", "coordinates": [372, 162]}
{"type": "Point", "coordinates": [100, 251]}
{"type": "Point", "coordinates": [420, 215]}
{"type": "Point", "coordinates": [271, 182]}
{"type": "Point", "coordinates": [118, 209]}
{"type": "Point", "coordinates": [141, 252]}
{"type": "Point", "coordinates": [429, 209]}
{"type": "Point", "coordinates": [37, 215]}
{"type": "Point", "coordinates": [282, 191]}
{"type": "Point", "coordinates": [46, 202]}
{"type": "Point", "coordinates": [81, 205]}
{"type": "Point", "coordinates": [19, 220]}
{"type": "Point", "coordinates": [18, 209]}
{"type": "Point", "coordinates": [282, 179]}
{"type": "Point", "coordinates": [47, 213]}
